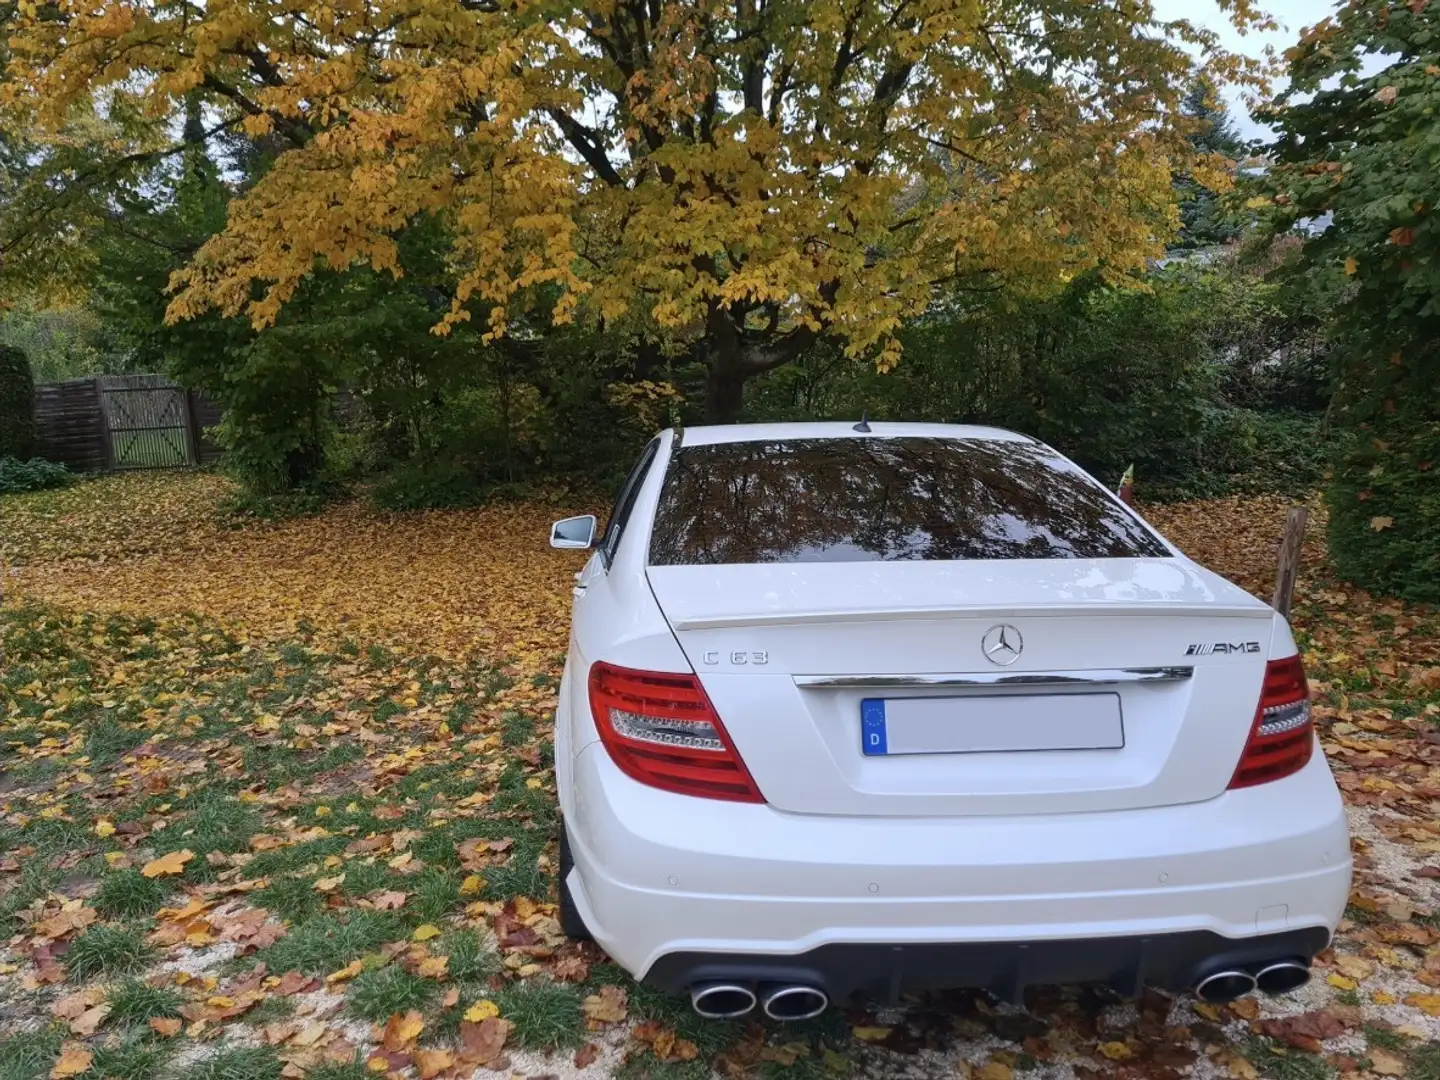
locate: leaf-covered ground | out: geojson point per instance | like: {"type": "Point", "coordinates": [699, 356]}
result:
{"type": "Point", "coordinates": [278, 801]}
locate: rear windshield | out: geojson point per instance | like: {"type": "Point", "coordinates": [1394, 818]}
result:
{"type": "Point", "coordinates": [876, 499]}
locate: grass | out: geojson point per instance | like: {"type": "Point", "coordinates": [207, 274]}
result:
{"type": "Point", "coordinates": [327, 943]}
{"type": "Point", "coordinates": [377, 995]}
{"type": "Point", "coordinates": [28, 1055]}
{"type": "Point", "coordinates": [135, 1058]}
{"type": "Point", "coordinates": [292, 898]}
{"type": "Point", "coordinates": [129, 894]}
{"type": "Point", "coordinates": [470, 959]}
{"type": "Point", "coordinates": [270, 1011]}
{"type": "Point", "coordinates": [240, 1063]}
{"type": "Point", "coordinates": [1386, 1040]}
{"type": "Point", "coordinates": [1283, 1063]}
{"type": "Point", "coordinates": [1424, 1063]}
{"type": "Point", "coordinates": [106, 950]}
{"type": "Point", "coordinates": [134, 1001]}
{"type": "Point", "coordinates": [546, 1016]}
{"type": "Point", "coordinates": [350, 1070]}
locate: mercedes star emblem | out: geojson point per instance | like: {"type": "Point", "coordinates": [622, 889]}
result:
{"type": "Point", "coordinates": [1002, 644]}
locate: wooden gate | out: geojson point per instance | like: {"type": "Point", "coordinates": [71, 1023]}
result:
{"type": "Point", "coordinates": [147, 421]}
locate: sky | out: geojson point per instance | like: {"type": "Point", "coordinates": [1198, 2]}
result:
{"type": "Point", "coordinates": [1292, 15]}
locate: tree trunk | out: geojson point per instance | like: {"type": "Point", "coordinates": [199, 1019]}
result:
{"type": "Point", "coordinates": [724, 392]}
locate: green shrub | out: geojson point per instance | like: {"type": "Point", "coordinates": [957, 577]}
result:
{"type": "Point", "coordinates": [1384, 496]}
{"type": "Point", "coordinates": [36, 474]}
{"type": "Point", "coordinates": [17, 404]}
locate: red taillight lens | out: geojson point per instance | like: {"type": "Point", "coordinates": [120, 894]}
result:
{"type": "Point", "coordinates": [1282, 737]}
{"type": "Point", "coordinates": [661, 730]}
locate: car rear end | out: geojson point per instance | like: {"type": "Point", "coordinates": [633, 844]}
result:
{"type": "Point", "coordinates": [937, 710]}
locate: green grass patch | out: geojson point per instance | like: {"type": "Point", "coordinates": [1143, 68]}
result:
{"type": "Point", "coordinates": [129, 894]}
{"type": "Point", "coordinates": [377, 995]}
{"type": "Point", "coordinates": [28, 1055]}
{"type": "Point", "coordinates": [470, 959]}
{"type": "Point", "coordinates": [1279, 1062]}
{"type": "Point", "coordinates": [1386, 1040]}
{"type": "Point", "coordinates": [271, 1011]}
{"type": "Point", "coordinates": [134, 1001]}
{"type": "Point", "coordinates": [240, 1063]}
{"type": "Point", "coordinates": [292, 898]}
{"type": "Point", "coordinates": [1424, 1063]}
{"type": "Point", "coordinates": [134, 1058]}
{"type": "Point", "coordinates": [546, 1015]}
{"type": "Point", "coordinates": [327, 943]}
{"type": "Point", "coordinates": [106, 950]}
{"type": "Point", "coordinates": [350, 1070]}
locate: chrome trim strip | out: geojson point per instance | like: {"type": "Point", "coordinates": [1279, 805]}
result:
{"type": "Point", "coordinates": [1097, 677]}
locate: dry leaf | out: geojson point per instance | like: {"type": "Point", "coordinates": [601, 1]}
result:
{"type": "Point", "coordinates": [425, 931]}
{"type": "Point", "coordinates": [402, 1031]}
{"type": "Point", "coordinates": [171, 863]}
{"type": "Point", "coordinates": [586, 1055]}
{"type": "Point", "coordinates": [431, 1063]}
{"type": "Point", "coordinates": [1384, 1063]}
{"type": "Point", "coordinates": [74, 1059]}
{"type": "Point", "coordinates": [483, 1009]}
{"type": "Point", "coordinates": [167, 1026]}
{"type": "Point", "coordinates": [606, 1007]}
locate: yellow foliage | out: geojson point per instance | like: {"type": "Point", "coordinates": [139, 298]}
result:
{"type": "Point", "coordinates": [770, 173]}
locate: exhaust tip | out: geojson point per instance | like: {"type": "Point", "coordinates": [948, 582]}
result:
{"type": "Point", "coordinates": [1283, 976]}
{"type": "Point", "coordinates": [1224, 986]}
{"type": "Point", "coordinates": [794, 1002]}
{"type": "Point", "coordinates": [721, 1000]}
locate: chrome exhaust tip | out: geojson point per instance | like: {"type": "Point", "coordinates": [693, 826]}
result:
{"type": "Point", "coordinates": [793, 1002]}
{"type": "Point", "coordinates": [1224, 986]}
{"type": "Point", "coordinates": [1283, 976]}
{"type": "Point", "coordinates": [721, 1000]}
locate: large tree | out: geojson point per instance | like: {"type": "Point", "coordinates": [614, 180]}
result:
{"type": "Point", "coordinates": [1354, 170]}
{"type": "Point", "coordinates": [745, 177]}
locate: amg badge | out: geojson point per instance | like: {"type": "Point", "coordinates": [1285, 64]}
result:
{"type": "Point", "coordinates": [1223, 647]}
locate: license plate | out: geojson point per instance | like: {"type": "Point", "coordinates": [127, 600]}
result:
{"type": "Point", "coordinates": [990, 724]}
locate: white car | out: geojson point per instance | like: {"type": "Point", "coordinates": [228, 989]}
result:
{"type": "Point", "coordinates": [884, 707]}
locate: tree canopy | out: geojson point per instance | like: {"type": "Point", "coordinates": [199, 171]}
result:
{"type": "Point", "coordinates": [749, 174]}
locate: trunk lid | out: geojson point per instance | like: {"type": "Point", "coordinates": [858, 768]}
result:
{"type": "Point", "coordinates": [789, 654]}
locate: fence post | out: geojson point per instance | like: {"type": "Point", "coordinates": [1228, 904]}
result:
{"type": "Point", "coordinates": [102, 421]}
{"type": "Point", "coordinates": [192, 429]}
{"type": "Point", "coordinates": [1289, 568]}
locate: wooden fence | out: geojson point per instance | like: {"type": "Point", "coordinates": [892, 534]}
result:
{"type": "Point", "coordinates": [124, 422]}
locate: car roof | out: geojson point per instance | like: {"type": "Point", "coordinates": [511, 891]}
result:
{"type": "Point", "coordinates": [732, 433]}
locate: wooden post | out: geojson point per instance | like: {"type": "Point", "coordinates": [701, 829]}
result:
{"type": "Point", "coordinates": [1289, 568]}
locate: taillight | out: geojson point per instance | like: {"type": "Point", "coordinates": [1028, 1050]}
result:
{"type": "Point", "coordinates": [1282, 737]}
{"type": "Point", "coordinates": [661, 730]}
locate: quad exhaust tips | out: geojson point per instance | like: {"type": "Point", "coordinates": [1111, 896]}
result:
{"type": "Point", "coordinates": [721, 1000]}
{"type": "Point", "coordinates": [793, 1002]}
{"type": "Point", "coordinates": [779, 1001]}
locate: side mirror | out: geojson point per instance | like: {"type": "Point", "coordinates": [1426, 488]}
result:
{"type": "Point", "coordinates": [573, 532]}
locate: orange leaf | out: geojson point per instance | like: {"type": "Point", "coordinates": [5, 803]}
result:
{"type": "Point", "coordinates": [173, 863]}
{"type": "Point", "coordinates": [402, 1031]}
{"type": "Point", "coordinates": [74, 1060]}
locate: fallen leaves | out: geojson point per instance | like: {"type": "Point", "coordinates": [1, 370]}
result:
{"type": "Point", "coordinates": [170, 863]}
{"type": "Point", "coordinates": [75, 1058]}
{"type": "Point", "coordinates": [606, 1007]}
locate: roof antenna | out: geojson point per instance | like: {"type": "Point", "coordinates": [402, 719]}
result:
{"type": "Point", "coordinates": [864, 425]}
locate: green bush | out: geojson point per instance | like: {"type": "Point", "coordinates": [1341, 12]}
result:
{"type": "Point", "coordinates": [17, 404]}
{"type": "Point", "coordinates": [36, 474]}
{"type": "Point", "coordinates": [1384, 496]}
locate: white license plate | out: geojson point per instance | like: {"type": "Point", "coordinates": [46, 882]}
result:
{"type": "Point", "coordinates": [990, 724]}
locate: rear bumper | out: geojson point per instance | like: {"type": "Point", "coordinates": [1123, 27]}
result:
{"type": "Point", "coordinates": [1170, 961]}
{"type": "Point", "coordinates": [666, 881]}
